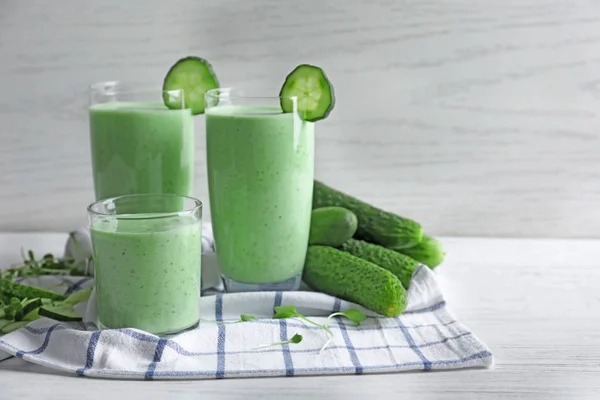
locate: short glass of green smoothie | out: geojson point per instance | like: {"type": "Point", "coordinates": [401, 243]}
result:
{"type": "Point", "coordinates": [138, 145]}
{"type": "Point", "coordinates": [260, 164]}
{"type": "Point", "coordinates": [147, 260]}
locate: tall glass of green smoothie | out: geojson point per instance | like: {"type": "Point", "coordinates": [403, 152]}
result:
{"type": "Point", "coordinates": [147, 261]}
{"type": "Point", "coordinates": [138, 145]}
{"type": "Point", "coordinates": [260, 164]}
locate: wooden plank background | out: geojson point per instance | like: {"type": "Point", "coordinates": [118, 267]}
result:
{"type": "Point", "coordinates": [474, 117]}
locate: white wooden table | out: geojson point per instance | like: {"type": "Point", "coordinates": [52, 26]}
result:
{"type": "Point", "coordinates": [535, 303]}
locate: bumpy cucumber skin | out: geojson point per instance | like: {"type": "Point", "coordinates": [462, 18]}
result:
{"type": "Point", "coordinates": [287, 106]}
{"type": "Point", "coordinates": [332, 226]}
{"type": "Point", "coordinates": [343, 275]}
{"type": "Point", "coordinates": [374, 225]}
{"type": "Point", "coordinates": [399, 264]}
{"type": "Point", "coordinates": [429, 251]}
{"type": "Point", "coordinates": [200, 106]}
{"type": "Point", "coordinates": [9, 289]}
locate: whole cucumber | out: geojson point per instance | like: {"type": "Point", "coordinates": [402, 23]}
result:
{"type": "Point", "coordinates": [332, 226]}
{"type": "Point", "coordinates": [343, 275]}
{"type": "Point", "coordinates": [429, 251]}
{"type": "Point", "coordinates": [374, 225]}
{"type": "Point", "coordinates": [399, 264]}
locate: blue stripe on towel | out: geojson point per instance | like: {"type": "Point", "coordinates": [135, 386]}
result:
{"type": "Point", "coordinates": [413, 346]}
{"type": "Point", "coordinates": [91, 350]}
{"type": "Point", "coordinates": [75, 286]}
{"type": "Point", "coordinates": [158, 352]}
{"type": "Point", "coordinates": [182, 351]}
{"type": "Point", "coordinates": [40, 349]}
{"type": "Point", "coordinates": [353, 356]}
{"type": "Point", "coordinates": [220, 373]}
{"type": "Point", "coordinates": [287, 356]}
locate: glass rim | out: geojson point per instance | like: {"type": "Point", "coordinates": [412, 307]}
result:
{"type": "Point", "coordinates": [188, 210]}
{"type": "Point", "coordinates": [219, 93]}
{"type": "Point", "coordinates": [122, 87]}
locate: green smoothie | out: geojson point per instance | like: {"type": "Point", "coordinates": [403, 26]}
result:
{"type": "Point", "coordinates": [141, 148]}
{"type": "Point", "coordinates": [147, 272]}
{"type": "Point", "coordinates": [260, 174]}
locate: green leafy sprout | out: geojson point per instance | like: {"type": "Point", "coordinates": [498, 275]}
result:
{"type": "Point", "coordinates": [243, 318]}
{"type": "Point", "coordinates": [247, 318]}
{"type": "Point", "coordinates": [18, 312]}
{"type": "Point", "coordinates": [47, 265]}
{"type": "Point", "coordinates": [354, 315]}
{"type": "Point", "coordinates": [297, 338]}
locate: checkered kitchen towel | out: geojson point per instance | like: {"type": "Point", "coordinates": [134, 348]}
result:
{"type": "Point", "coordinates": [425, 337]}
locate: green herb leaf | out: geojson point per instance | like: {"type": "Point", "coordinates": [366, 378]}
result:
{"type": "Point", "coordinates": [291, 312]}
{"type": "Point", "coordinates": [243, 318]}
{"type": "Point", "coordinates": [355, 315]}
{"type": "Point", "coordinates": [47, 265]}
{"type": "Point", "coordinates": [352, 314]}
{"type": "Point", "coordinates": [297, 338]}
{"type": "Point", "coordinates": [286, 312]}
{"type": "Point", "coordinates": [247, 318]}
{"type": "Point", "coordinates": [11, 309]}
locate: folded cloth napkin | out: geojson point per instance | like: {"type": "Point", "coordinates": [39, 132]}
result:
{"type": "Point", "coordinates": [425, 337]}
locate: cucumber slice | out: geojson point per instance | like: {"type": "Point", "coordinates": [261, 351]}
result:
{"type": "Point", "coordinates": [59, 313]}
{"type": "Point", "coordinates": [28, 306]}
{"type": "Point", "coordinates": [193, 75]}
{"type": "Point", "coordinates": [12, 326]}
{"type": "Point", "coordinates": [34, 313]}
{"type": "Point", "coordinates": [78, 297]}
{"type": "Point", "coordinates": [313, 89]}
{"type": "Point", "coordinates": [31, 316]}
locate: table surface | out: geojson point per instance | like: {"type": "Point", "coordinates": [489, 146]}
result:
{"type": "Point", "coordinates": [534, 302]}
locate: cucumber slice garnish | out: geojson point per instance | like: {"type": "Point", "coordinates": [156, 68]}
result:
{"type": "Point", "coordinates": [59, 313]}
{"type": "Point", "coordinates": [193, 75]}
{"type": "Point", "coordinates": [78, 297]}
{"type": "Point", "coordinates": [32, 315]}
{"type": "Point", "coordinates": [28, 306]}
{"type": "Point", "coordinates": [313, 89]}
{"type": "Point", "coordinates": [11, 326]}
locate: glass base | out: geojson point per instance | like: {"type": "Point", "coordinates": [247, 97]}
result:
{"type": "Point", "coordinates": [161, 335]}
{"type": "Point", "coordinates": [232, 286]}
